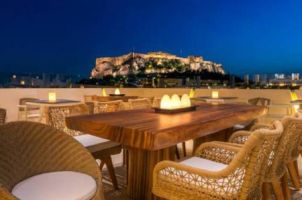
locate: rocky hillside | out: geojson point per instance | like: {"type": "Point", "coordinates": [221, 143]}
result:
{"type": "Point", "coordinates": [153, 62]}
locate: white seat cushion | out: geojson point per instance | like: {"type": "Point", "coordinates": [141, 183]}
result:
{"type": "Point", "coordinates": [239, 126]}
{"type": "Point", "coordinates": [64, 185]}
{"type": "Point", "coordinates": [89, 140]}
{"type": "Point", "coordinates": [205, 164]}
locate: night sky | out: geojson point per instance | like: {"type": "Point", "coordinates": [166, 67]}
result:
{"type": "Point", "coordinates": [60, 36]}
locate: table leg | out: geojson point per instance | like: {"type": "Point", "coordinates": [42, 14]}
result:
{"type": "Point", "coordinates": [140, 170]}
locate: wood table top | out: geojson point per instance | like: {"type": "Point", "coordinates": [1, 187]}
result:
{"type": "Point", "coordinates": [148, 130]}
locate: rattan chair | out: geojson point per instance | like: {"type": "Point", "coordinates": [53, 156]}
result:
{"type": "Point", "coordinates": [143, 103]}
{"type": "Point", "coordinates": [28, 112]}
{"type": "Point", "coordinates": [100, 148]}
{"type": "Point", "coordinates": [285, 155]}
{"type": "Point", "coordinates": [218, 171]}
{"type": "Point", "coordinates": [30, 151]}
{"type": "Point", "coordinates": [259, 101]}
{"type": "Point", "coordinates": [2, 116]}
{"type": "Point", "coordinates": [107, 106]}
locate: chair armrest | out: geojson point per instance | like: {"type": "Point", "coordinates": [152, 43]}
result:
{"type": "Point", "coordinates": [260, 125]}
{"type": "Point", "coordinates": [217, 152]}
{"type": "Point", "coordinates": [6, 195]}
{"type": "Point", "coordinates": [239, 137]}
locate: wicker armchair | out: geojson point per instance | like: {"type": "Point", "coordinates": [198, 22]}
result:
{"type": "Point", "coordinates": [28, 112]}
{"type": "Point", "coordinates": [100, 148]}
{"type": "Point", "coordinates": [107, 106]}
{"type": "Point", "coordinates": [259, 101]}
{"type": "Point", "coordinates": [285, 155]}
{"type": "Point", "coordinates": [2, 116]}
{"type": "Point", "coordinates": [29, 150]}
{"type": "Point", "coordinates": [218, 171]}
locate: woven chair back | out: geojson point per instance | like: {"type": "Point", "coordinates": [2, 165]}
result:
{"type": "Point", "coordinates": [108, 106]}
{"type": "Point", "coordinates": [30, 148]}
{"type": "Point", "coordinates": [259, 101]}
{"type": "Point", "coordinates": [143, 103]}
{"type": "Point", "coordinates": [57, 115]}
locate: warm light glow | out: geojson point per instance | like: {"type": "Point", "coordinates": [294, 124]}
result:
{"type": "Point", "coordinates": [185, 101]}
{"type": "Point", "coordinates": [293, 96]}
{"type": "Point", "coordinates": [104, 93]}
{"type": "Point", "coordinates": [192, 93]}
{"type": "Point", "coordinates": [165, 102]}
{"type": "Point", "coordinates": [175, 101]}
{"type": "Point", "coordinates": [22, 82]}
{"type": "Point", "coordinates": [52, 97]}
{"type": "Point", "coordinates": [296, 107]}
{"type": "Point", "coordinates": [215, 94]}
{"type": "Point", "coordinates": [117, 91]}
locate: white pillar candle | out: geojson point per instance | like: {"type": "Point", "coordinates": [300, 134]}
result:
{"type": "Point", "coordinates": [185, 101]}
{"type": "Point", "coordinates": [52, 97]}
{"type": "Point", "coordinates": [215, 94]}
{"type": "Point", "coordinates": [165, 102]}
{"type": "Point", "coordinates": [117, 91]}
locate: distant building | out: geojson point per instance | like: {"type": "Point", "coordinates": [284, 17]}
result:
{"type": "Point", "coordinates": [257, 78]}
{"type": "Point", "coordinates": [246, 79]}
{"type": "Point", "coordinates": [152, 62]}
{"type": "Point", "coordinates": [295, 76]}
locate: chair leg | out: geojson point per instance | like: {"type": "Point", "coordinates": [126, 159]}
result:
{"type": "Point", "coordinates": [286, 190]}
{"type": "Point", "coordinates": [294, 175]}
{"type": "Point", "coordinates": [177, 152]}
{"type": "Point", "coordinates": [278, 190]}
{"type": "Point", "coordinates": [110, 168]}
{"type": "Point", "coordinates": [102, 164]}
{"type": "Point", "coordinates": [296, 167]}
{"type": "Point", "coordinates": [266, 191]}
{"type": "Point", "coordinates": [184, 149]}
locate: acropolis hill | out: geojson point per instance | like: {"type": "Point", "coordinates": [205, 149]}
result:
{"type": "Point", "coordinates": [152, 62]}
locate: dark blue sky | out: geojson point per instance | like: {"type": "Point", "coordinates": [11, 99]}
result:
{"type": "Point", "coordinates": [246, 36]}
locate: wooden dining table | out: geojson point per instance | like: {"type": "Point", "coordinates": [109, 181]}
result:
{"type": "Point", "coordinates": [151, 137]}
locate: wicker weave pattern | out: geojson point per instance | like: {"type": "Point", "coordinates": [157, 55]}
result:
{"type": "Point", "coordinates": [2, 116]}
{"type": "Point", "coordinates": [57, 115]}
{"type": "Point", "coordinates": [108, 106]}
{"type": "Point", "coordinates": [240, 180]}
{"type": "Point", "coordinates": [144, 103]}
{"type": "Point", "coordinates": [287, 149]}
{"type": "Point", "coordinates": [29, 148]}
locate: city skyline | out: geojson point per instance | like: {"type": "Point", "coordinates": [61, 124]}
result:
{"type": "Point", "coordinates": [62, 36]}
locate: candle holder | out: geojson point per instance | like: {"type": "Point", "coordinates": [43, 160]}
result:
{"type": "Point", "coordinates": [175, 104]}
{"type": "Point", "coordinates": [175, 110]}
{"type": "Point", "coordinates": [117, 95]}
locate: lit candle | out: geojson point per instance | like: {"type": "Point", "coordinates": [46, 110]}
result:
{"type": "Point", "coordinates": [52, 97]}
{"type": "Point", "coordinates": [296, 107]}
{"type": "Point", "coordinates": [185, 101]}
{"type": "Point", "coordinates": [117, 91]}
{"type": "Point", "coordinates": [215, 94]}
{"type": "Point", "coordinates": [165, 102]}
{"type": "Point", "coordinates": [175, 101]}
{"type": "Point", "coordinates": [104, 94]}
